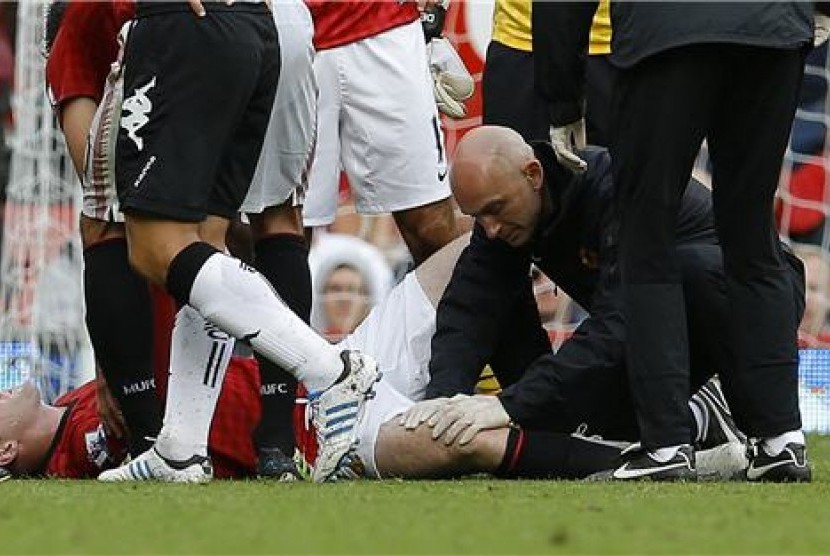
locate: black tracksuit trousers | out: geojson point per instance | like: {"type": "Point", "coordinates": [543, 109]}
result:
{"type": "Point", "coordinates": [592, 387]}
{"type": "Point", "coordinates": [742, 100]}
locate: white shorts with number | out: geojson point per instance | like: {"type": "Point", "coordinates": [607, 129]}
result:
{"type": "Point", "coordinates": [282, 170]}
{"type": "Point", "coordinates": [397, 333]}
{"type": "Point", "coordinates": [378, 122]}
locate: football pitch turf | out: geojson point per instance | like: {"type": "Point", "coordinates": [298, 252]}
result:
{"type": "Point", "coordinates": [470, 516]}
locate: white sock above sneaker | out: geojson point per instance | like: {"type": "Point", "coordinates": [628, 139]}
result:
{"type": "Point", "coordinates": [199, 357]}
{"type": "Point", "coordinates": [663, 455]}
{"type": "Point", "coordinates": [242, 302]}
{"type": "Point", "coordinates": [773, 445]}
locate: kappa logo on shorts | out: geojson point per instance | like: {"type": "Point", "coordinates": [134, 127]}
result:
{"type": "Point", "coordinates": [139, 107]}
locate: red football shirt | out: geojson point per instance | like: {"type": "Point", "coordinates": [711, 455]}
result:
{"type": "Point", "coordinates": [342, 22]}
{"type": "Point", "coordinates": [84, 48]}
{"type": "Point", "coordinates": [81, 449]}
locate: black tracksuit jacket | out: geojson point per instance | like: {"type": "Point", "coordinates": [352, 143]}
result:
{"type": "Point", "coordinates": [488, 312]}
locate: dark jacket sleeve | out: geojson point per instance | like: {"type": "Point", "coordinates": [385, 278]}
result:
{"type": "Point", "coordinates": [554, 384]}
{"type": "Point", "coordinates": [561, 31]}
{"type": "Point", "coordinates": [487, 277]}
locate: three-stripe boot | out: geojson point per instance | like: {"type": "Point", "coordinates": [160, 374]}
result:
{"type": "Point", "coordinates": [150, 466]}
{"type": "Point", "coordinates": [337, 411]}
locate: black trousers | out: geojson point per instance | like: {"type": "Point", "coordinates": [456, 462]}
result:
{"type": "Point", "coordinates": [742, 100]}
{"type": "Point", "coordinates": [600, 75]}
{"type": "Point", "coordinates": [592, 384]}
{"type": "Point", "coordinates": [510, 98]}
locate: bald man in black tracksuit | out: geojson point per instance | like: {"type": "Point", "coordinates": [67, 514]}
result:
{"type": "Point", "coordinates": [728, 72]}
{"type": "Point", "coordinates": [488, 312]}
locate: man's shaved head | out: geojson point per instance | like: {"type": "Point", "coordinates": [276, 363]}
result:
{"type": "Point", "coordinates": [496, 178]}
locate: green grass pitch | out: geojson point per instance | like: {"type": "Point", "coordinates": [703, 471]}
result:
{"type": "Point", "coordinates": [472, 516]}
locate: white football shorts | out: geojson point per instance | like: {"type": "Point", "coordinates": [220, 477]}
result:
{"type": "Point", "coordinates": [285, 160]}
{"type": "Point", "coordinates": [378, 122]}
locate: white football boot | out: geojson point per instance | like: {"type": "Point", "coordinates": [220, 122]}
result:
{"type": "Point", "coordinates": [150, 466]}
{"type": "Point", "coordinates": [336, 412]}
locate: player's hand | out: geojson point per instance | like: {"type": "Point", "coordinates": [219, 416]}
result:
{"type": "Point", "coordinates": [452, 83]}
{"type": "Point", "coordinates": [419, 413]}
{"type": "Point", "coordinates": [199, 9]}
{"type": "Point", "coordinates": [108, 411]}
{"type": "Point", "coordinates": [566, 140]}
{"type": "Point", "coordinates": [822, 29]}
{"type": "Point", "coordinates": [463, 417]}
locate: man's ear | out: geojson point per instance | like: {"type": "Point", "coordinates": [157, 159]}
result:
{"type": "Point", "coordinates": [533, 171]}
{"type": "Point", "coordinates": [8, 452]}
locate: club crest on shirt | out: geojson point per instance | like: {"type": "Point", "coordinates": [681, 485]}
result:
{"type": "Point", "coordinates": [96, 446]}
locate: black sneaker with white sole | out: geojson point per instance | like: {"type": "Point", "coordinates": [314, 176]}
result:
{"type": "Point", "coordinates": [790, 466]}
{"type": "Point", "coordinates": [639, 465]}
{"type": "Point", "coordinates": [273, 464]}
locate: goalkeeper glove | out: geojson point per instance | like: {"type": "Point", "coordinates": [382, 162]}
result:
{"type": "Point", "coordinates": [566, 140]}
{"type": "Point", "coordinates": [451, 82]}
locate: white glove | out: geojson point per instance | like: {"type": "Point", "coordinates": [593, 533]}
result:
{"type": "Point", "coordinates": [566, 140]}
{"type": "Point", "coordinates": [451, 82]}
{"type": "Point", "coordinates": [419, 413]}
{"type": "Point", "coordinates": [822, 29]}
{"type": "Point", "coordinates": [463, 417]}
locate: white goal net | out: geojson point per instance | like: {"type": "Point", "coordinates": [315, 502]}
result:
{"type": "Point", "coordinates": [42, 332]}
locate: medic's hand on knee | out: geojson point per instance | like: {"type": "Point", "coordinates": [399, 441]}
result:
{"type": "Point", "coordinates": [421, 412]}
{"type": "Point", "coordinates": [463, 417]}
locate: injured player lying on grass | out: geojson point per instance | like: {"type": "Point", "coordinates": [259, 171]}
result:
{"type": "Point", "coordinates": [67, 440]}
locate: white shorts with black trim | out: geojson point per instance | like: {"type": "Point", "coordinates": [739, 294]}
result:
{"type": "Point", "coordinates": [378, 122]}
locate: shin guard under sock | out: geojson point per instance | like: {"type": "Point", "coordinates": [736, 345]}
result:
{"type": "Point", "coordinates": [119, 317]}
{"type": "Point", "coordinates": [241, 302]}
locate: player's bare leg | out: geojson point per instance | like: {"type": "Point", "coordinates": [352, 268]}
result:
{"type": "Point", "coordinates": [413, 454]}
{"type": "Point", "coordinates": [505, 452]}
{"type": "Point", "coordinates": [427, 228]}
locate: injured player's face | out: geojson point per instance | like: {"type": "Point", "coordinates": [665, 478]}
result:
{"type": "Point", "coordinates": [18, 410]}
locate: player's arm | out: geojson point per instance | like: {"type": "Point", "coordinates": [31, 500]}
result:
{"type": "Point", "coordinates": [476, 305]}
{"type": "Point", "coordinates": [76, 118]}
{"type": "Point", "coordinates": [108, 411]}
{"type": "Point", "coordinates": [594, 355]}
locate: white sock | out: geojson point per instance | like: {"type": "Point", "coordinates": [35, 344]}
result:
{"type": "Point", "coordinates": [241, 301]}
{"type": "Point", "coordinates": [199, 357]}
{"type": "Point", "coordinates": [665, 454]}
{"type": "Point", "coordinates": [775, 444]}
{"type": "Point", "coordinates": [700, 420]}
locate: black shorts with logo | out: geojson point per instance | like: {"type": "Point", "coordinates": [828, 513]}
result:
{"type": "Point", "coordinates": [198, 94]}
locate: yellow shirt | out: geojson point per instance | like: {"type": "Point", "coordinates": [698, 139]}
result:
{"type": "Point", "coordinates": [511, 26]}
{"type": "Point", "coordinates": [601, 30]}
